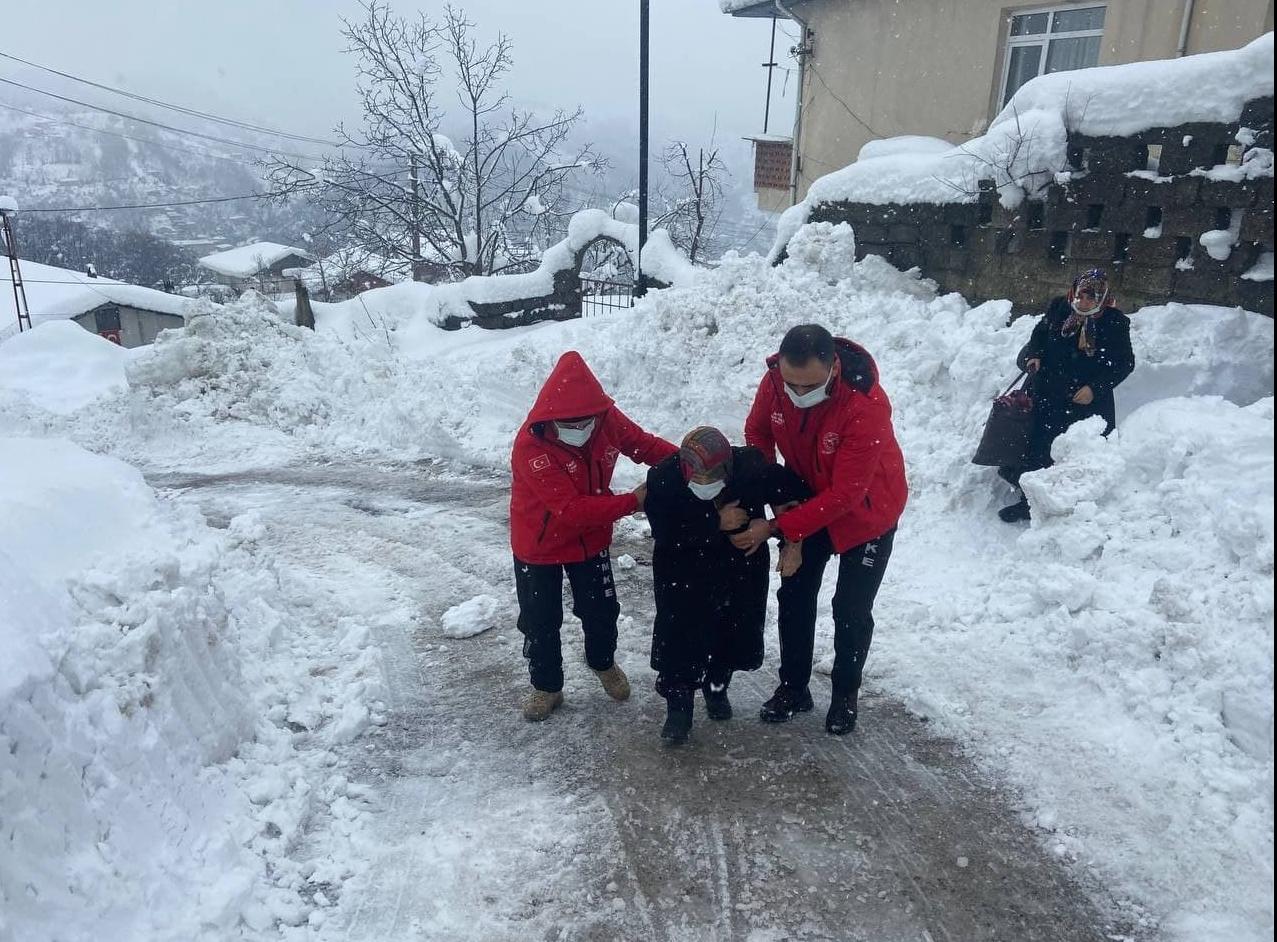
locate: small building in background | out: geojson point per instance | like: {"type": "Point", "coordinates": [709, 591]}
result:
{"type": "Point", "coordinates": [129, 315]}
{"type": "Point", "coordinates": [349, 272]}
{"type": "Point", "coordinates": [258, 265]}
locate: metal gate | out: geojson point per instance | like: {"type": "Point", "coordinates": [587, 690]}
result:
{"type": "Point", "coordinates": [598, 296]}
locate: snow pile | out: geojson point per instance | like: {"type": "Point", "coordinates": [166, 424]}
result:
{"type": "Point", "coordinates": [1027, 143]}
{"type": "Point", "coordinates": [61, 366]}
{"type": "Point", "coordinates": [473, 616]}
{"type": "Point", "coordinates": [161, 739]}
{"type": "Point", "coordinates": [1155, 554]}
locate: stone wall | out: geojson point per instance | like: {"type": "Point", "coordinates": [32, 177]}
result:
{"type": "Point", "coordinates": [1136, 206]}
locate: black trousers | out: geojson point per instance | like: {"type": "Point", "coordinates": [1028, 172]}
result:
{"type": "Point", "coordinates": [540, 590]}
{"type": "Point", "coordinates": [860, 572]}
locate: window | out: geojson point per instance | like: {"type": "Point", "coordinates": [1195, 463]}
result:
{"type": "Point", "coordinates": [1056, 40]}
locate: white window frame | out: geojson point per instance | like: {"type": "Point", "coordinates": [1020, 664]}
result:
{"type": "Point", "coordinates": [1042, 39]}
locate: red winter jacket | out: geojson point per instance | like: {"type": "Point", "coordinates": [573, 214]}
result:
{"type": "Point", "coordinates": [844, 449]}
{"type": "Point", "coordinates": [561, 506]}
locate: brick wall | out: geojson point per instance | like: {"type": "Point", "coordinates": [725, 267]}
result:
{"type": "Point", "coordinates": [1145, 232]}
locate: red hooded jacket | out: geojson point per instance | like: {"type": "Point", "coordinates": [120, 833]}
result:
{"type": "Point", "coordinates": [844, 449]}
{"type": "Point", "coordinates": [561, 505]}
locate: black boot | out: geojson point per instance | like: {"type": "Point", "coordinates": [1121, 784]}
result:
{"type": "Point", "coordinates": [678, 717]}
{"type": "Point", "coordinates": [717, 706]}
{"type": "Point", "coordinates": [841, 718]}
{"type": "Point", "coordinates": [1015, 513]}
{"type": "Point", "coordinates": [785, 702]}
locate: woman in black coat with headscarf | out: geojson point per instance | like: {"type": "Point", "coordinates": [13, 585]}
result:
{"type": "Point", "coordinates": [711, 598]}
{"type": "Point", "coordinates": [1078, 353]}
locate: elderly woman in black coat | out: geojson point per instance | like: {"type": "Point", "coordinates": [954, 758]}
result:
{"type": "Point", "coordinates": [711, 598]}
{"type": "Point", "coordinates": [1078, 353]}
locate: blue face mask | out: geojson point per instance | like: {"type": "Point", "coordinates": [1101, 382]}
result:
{"type": "Point", "coordinates": [707, 491]}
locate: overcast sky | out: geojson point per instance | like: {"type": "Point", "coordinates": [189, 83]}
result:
{"type": "Point", "coordinates": [280, 62]}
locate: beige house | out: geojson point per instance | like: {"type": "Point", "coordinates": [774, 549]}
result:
{"type": "Point", "coordinates": [944, 68]}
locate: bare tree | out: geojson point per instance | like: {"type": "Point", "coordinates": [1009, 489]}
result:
{"type": "Point", "coordinates": [693, 196]}
{"type": "Point", "coordinates": [481, 201]}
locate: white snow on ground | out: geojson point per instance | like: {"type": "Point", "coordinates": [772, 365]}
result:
{"type": "Point", "coordinates": [473, 616]}
{"type": "Point", "coordinates": [62, 366]}
{"type": "Point", "coordinates": [1113, 661]}
{"type": "Point", "coordinates": [167, 723]}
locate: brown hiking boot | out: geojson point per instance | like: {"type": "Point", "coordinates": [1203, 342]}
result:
{"type": "Point", "coordinates": [540, 704]}
{"type": "Point", "coordinates": [615, 682]}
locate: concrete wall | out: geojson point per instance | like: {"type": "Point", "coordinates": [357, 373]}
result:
{"type": "Point", "coordinates": [882, 68]}
{"type": "Point", "coordinates": [138, 327]}
{"type": "Point", "coordinates": [1100, 219]}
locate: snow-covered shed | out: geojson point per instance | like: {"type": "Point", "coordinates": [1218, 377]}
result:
{"type": "Point", "coordinates": [259, 265]}
{"type": "Point", "coordinates": [129, 315]}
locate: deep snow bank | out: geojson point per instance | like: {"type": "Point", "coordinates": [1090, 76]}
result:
{"type": "Point", "coordinates": [149, 777]}
{"type": "Point", "coordinates": [61, 366]}
{"type": "Point", "coordinates": [1040, 647]}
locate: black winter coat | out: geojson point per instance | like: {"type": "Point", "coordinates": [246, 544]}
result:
{"type": "Point", "coordinates": [711, 599]}
{"type": "Point", "coordinates": [1065, 369]}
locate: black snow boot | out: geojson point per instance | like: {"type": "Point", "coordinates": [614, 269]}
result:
{"type": "Point", "coordinates": [841, 718]}
{"type": "Point", "coordinates": [717, 706]}
{"type": "Point", "coordinates": [678, 717]}
{"type": "Point", "coordinates": [1015, 513]}
{"type": "Point", "coordinates": [785, 702]}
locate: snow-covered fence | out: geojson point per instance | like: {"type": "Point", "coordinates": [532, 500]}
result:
{"type": "Point", "coordinates": [553, 291]}
{"type": "Point", "coordinates": [1161, 172]}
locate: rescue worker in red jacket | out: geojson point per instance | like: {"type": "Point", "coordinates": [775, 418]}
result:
{"type": "Point", "coordinates": [561, 514]}
{"type": "Point", "coordinates": [820, 406]}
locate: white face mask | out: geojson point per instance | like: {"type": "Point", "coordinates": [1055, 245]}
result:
{"type": "Point", "coordinates": [809, 399]}
{"type": "Point", "coordinates": [576, 437]}
{"type": "Point", "coordinates": [707, 491]}
{"type": "Point", "coordinates": [1098, 304]}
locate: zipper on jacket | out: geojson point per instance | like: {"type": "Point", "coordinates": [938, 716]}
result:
{"type": "Point", "coordinates": [545, 523]}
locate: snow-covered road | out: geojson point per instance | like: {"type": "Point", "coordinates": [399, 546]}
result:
{"type": "Point", "coordinates": [585, 827]}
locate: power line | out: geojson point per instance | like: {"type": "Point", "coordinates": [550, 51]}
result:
{"type": "Point", "coordinates": [127, 137]}
{"type": "Point", "coordinates": [98, 209]}
{"type": "Point", "coordinates": [157, 124]}
{"type": "Point", "coordinates": [182, 109]}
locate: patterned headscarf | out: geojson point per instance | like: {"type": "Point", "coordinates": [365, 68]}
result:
{"type": "Point", "coordinates": [707, 451]}
{"type": "Point", "coordinates": [1096, 282]}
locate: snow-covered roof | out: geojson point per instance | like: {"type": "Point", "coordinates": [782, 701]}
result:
{"type": "Point", "coordinates": [248, 260]}
{"type": "Point", "coordinates": [749, 8]}
{"type": "Point", "coordinates": [58, 293]}
{"type": "Point", "coordinates": [348, 262]}
{"type": "Point", "coordinates": [1027, 143]}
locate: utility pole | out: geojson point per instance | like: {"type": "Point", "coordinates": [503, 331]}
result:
{"type": "Point", "coordinates": [771, 65]}
{"type": "Point", "coordinates": [7, 212]}
{"type": "Point", "coordinates": [640, 283]}
{"type": "Point", "coordinates": [416, 218]}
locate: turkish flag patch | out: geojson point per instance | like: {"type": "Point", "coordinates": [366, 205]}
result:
{"type": "Point", "coordinates": [539, 463]}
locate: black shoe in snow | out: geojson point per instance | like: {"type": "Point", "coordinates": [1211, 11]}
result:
{"type": "Point", "coordinates": [841, 718]}
{"type": "Point", "coordinates": [1015, 513]}
{"type": "Point", "coordinates": [784, 703]}
{"type": "Point", "coordinates": [678, 723]}
{"type": "Point", "coordinates": [717, 706]}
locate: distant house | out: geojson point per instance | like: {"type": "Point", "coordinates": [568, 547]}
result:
{"type": "Point", "coordinates": [351, 271]}
{"type": "Point", "coordinates": [129, 315]}
{"type": "Point", "coordinates": [872, 69]}
{"type": "Point", "coordinates": [258, 265]}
